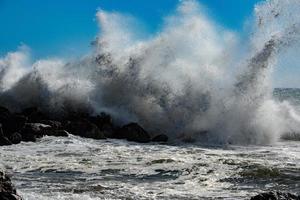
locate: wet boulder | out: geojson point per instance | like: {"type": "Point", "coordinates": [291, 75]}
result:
{"type": "Point", "coordinates": [160, 138]}
{"type": "Point", "coordinates": [5, 183]}
{"type": "Point", "coordinates": [31, 131]}
{"type": "Point", "coordinates": [7, 190]}
{"type": "Point", "coordinates": [4, 114]}
{"type": "Point", "coordinates": [55, 125]}
{"type": "Point", "coordinates": [51, 128]}
{"type": "Point", "coordinates": [276, 196]}
{"type": "Point", "coordinates": [101, 119]}
{"type": "Point", "coordinates": [15, 138]}
{"type": "Point", "coordinates": [104, 123]}
{"type": "Point", "coordinates": [28, 136]}
{"type": "Point", "coordinates": [29, 111]}
{"type": "Point", "coordinates": [108, 130]}
{"type": "Point", "coordinates": [295, 136]}
{"type": "Point", "coordinates": [3, 140]}
{"type": "Point", "coordinates": [132, 132]}
{"type": "Point", "coordinates": [34, 114]}
{"type": "Point", "coordinates": [9, 196]}
{"type": "Point", "coordinates": [84, 128]}
{"type": "Point", "coordinates": [13, 123]}
{"type": "Point", "coordinates": [61, 133]}
{"type": "Point", "coordinates": [56, 133]}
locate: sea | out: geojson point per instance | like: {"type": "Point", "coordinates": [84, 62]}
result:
{"type": "Point", "coordinates": [191, 76]}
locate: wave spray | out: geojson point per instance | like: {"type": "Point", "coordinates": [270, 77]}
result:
{"type": "Point", "coordinates": [192, 80]}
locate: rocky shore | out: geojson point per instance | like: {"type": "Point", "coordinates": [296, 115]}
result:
{"type": "Point", "coordinates": [275, 196]}
{"type": "Point", "coordinates": [31, 123]}
{"type": "Point", "coordinates": [7, 190]}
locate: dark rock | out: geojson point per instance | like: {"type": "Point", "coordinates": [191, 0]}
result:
{"type": "Point", "coordinates": [55, 125]}
{"type": "Point", "coordinates": [160, 138]}
{"type": "Point", "coordinates": [4, 114]}
{"type": "Point", "coordinates": [9, 196]}
{"type": "Point", "coordinates": [84, 128]}
{"type": "Point", "coordinates": [13, 123]}
{"type": "Point", "coordinates": [108, 131]}
{"type": "Point", "coordinates": [186, 138]}
{"type": "Point", "coordinates": [57, 133]}
{"type": "Point", "coordinates": [3, 140]}
{"type": "Point", "coordinates": [101, 119]}
{"type": "Point", "coordinates": [5, 183]}
{"type": "Point", "coordinates": [34, 114]}
{"type": "Point", "coordinates": [10, 122]}
{"type": "Point", "coordinates": [104, 123]}
{"type": "Point", "coordinates": [132, 132]}
{"type": "Point", "coordinates": [29, 111]}
{"type": "Point", "coordinates": [77, 115]}
{"type": "Point", "coordinates": [27, 136]}
{"type": "Point", "coordinates": [31, 131]}
{"type": "Point", "coordinates": [7, 190]}
{"type": "Point", "coordinates": [276, 196]}
{"type": "Point", "coordinates": [19, 121]}
{"type": "Point", "coordinates": [294, 136]}
{"type": "Point", "coordinates": [15, 138]}
{"type": "Point", "coordinates": [61, 133]}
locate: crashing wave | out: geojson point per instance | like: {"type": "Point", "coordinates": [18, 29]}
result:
{"type": "Point", "coordinates": [193, 79]}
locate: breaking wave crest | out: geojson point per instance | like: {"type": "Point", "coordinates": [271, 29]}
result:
{"type": "Point", "coordinates": [192, 80]}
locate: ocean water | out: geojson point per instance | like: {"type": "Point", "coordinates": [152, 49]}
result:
{"type": "Point", "coordinates": [78, 168]}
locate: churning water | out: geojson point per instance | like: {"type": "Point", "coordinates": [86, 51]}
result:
{"type": "Point", "coordinates": [192, 77]}
{"type": "Point", "coordinates": [77, 168]}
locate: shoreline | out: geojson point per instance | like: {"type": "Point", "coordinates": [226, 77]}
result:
{"type": "Point", "coordinates": [31, 123]}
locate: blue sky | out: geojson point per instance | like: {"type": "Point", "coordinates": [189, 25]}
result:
{"type": "Point", "coordinates": [66, 27]}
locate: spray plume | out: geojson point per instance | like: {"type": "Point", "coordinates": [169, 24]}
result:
{"type": "Point", "coordinates": [189, 80]}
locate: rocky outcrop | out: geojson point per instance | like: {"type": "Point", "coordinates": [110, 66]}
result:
{"type": "Point", "coordinates": [32, 123]}
{"type": "Point", "coordinates": [84, 128]}
{"type": "Point", "coordinates": [160, 138]}
{"type": "Point", "coordinates": [55, 125]}
{"type": "Point", "coordinates": [34, 114]}
{"type": "Point", "coordinates": [133, 132]}
{"type": "Point", "coordinates": [295, 136]}
{"type": "Point", "coordinates": [7, 190]}
{"type": "Point", "coordinates": [56, 133]}
{"type": "Point", "coordinates": [13, 123]}
{"type": "Point", "coordinates": [15, 138]}
{"type": "Point", "coordinates": [9, 125]}
{"type": "Point", "coordinates": [104, 123]}
{"type": "Point", "coordinates": [31, 131]}
{"type": "Point", "coordinates": [276, 196]}
{"type": "Point", "coordinates": [3, 140]}
{"type": "Point", "coordinates": [4, 114]}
